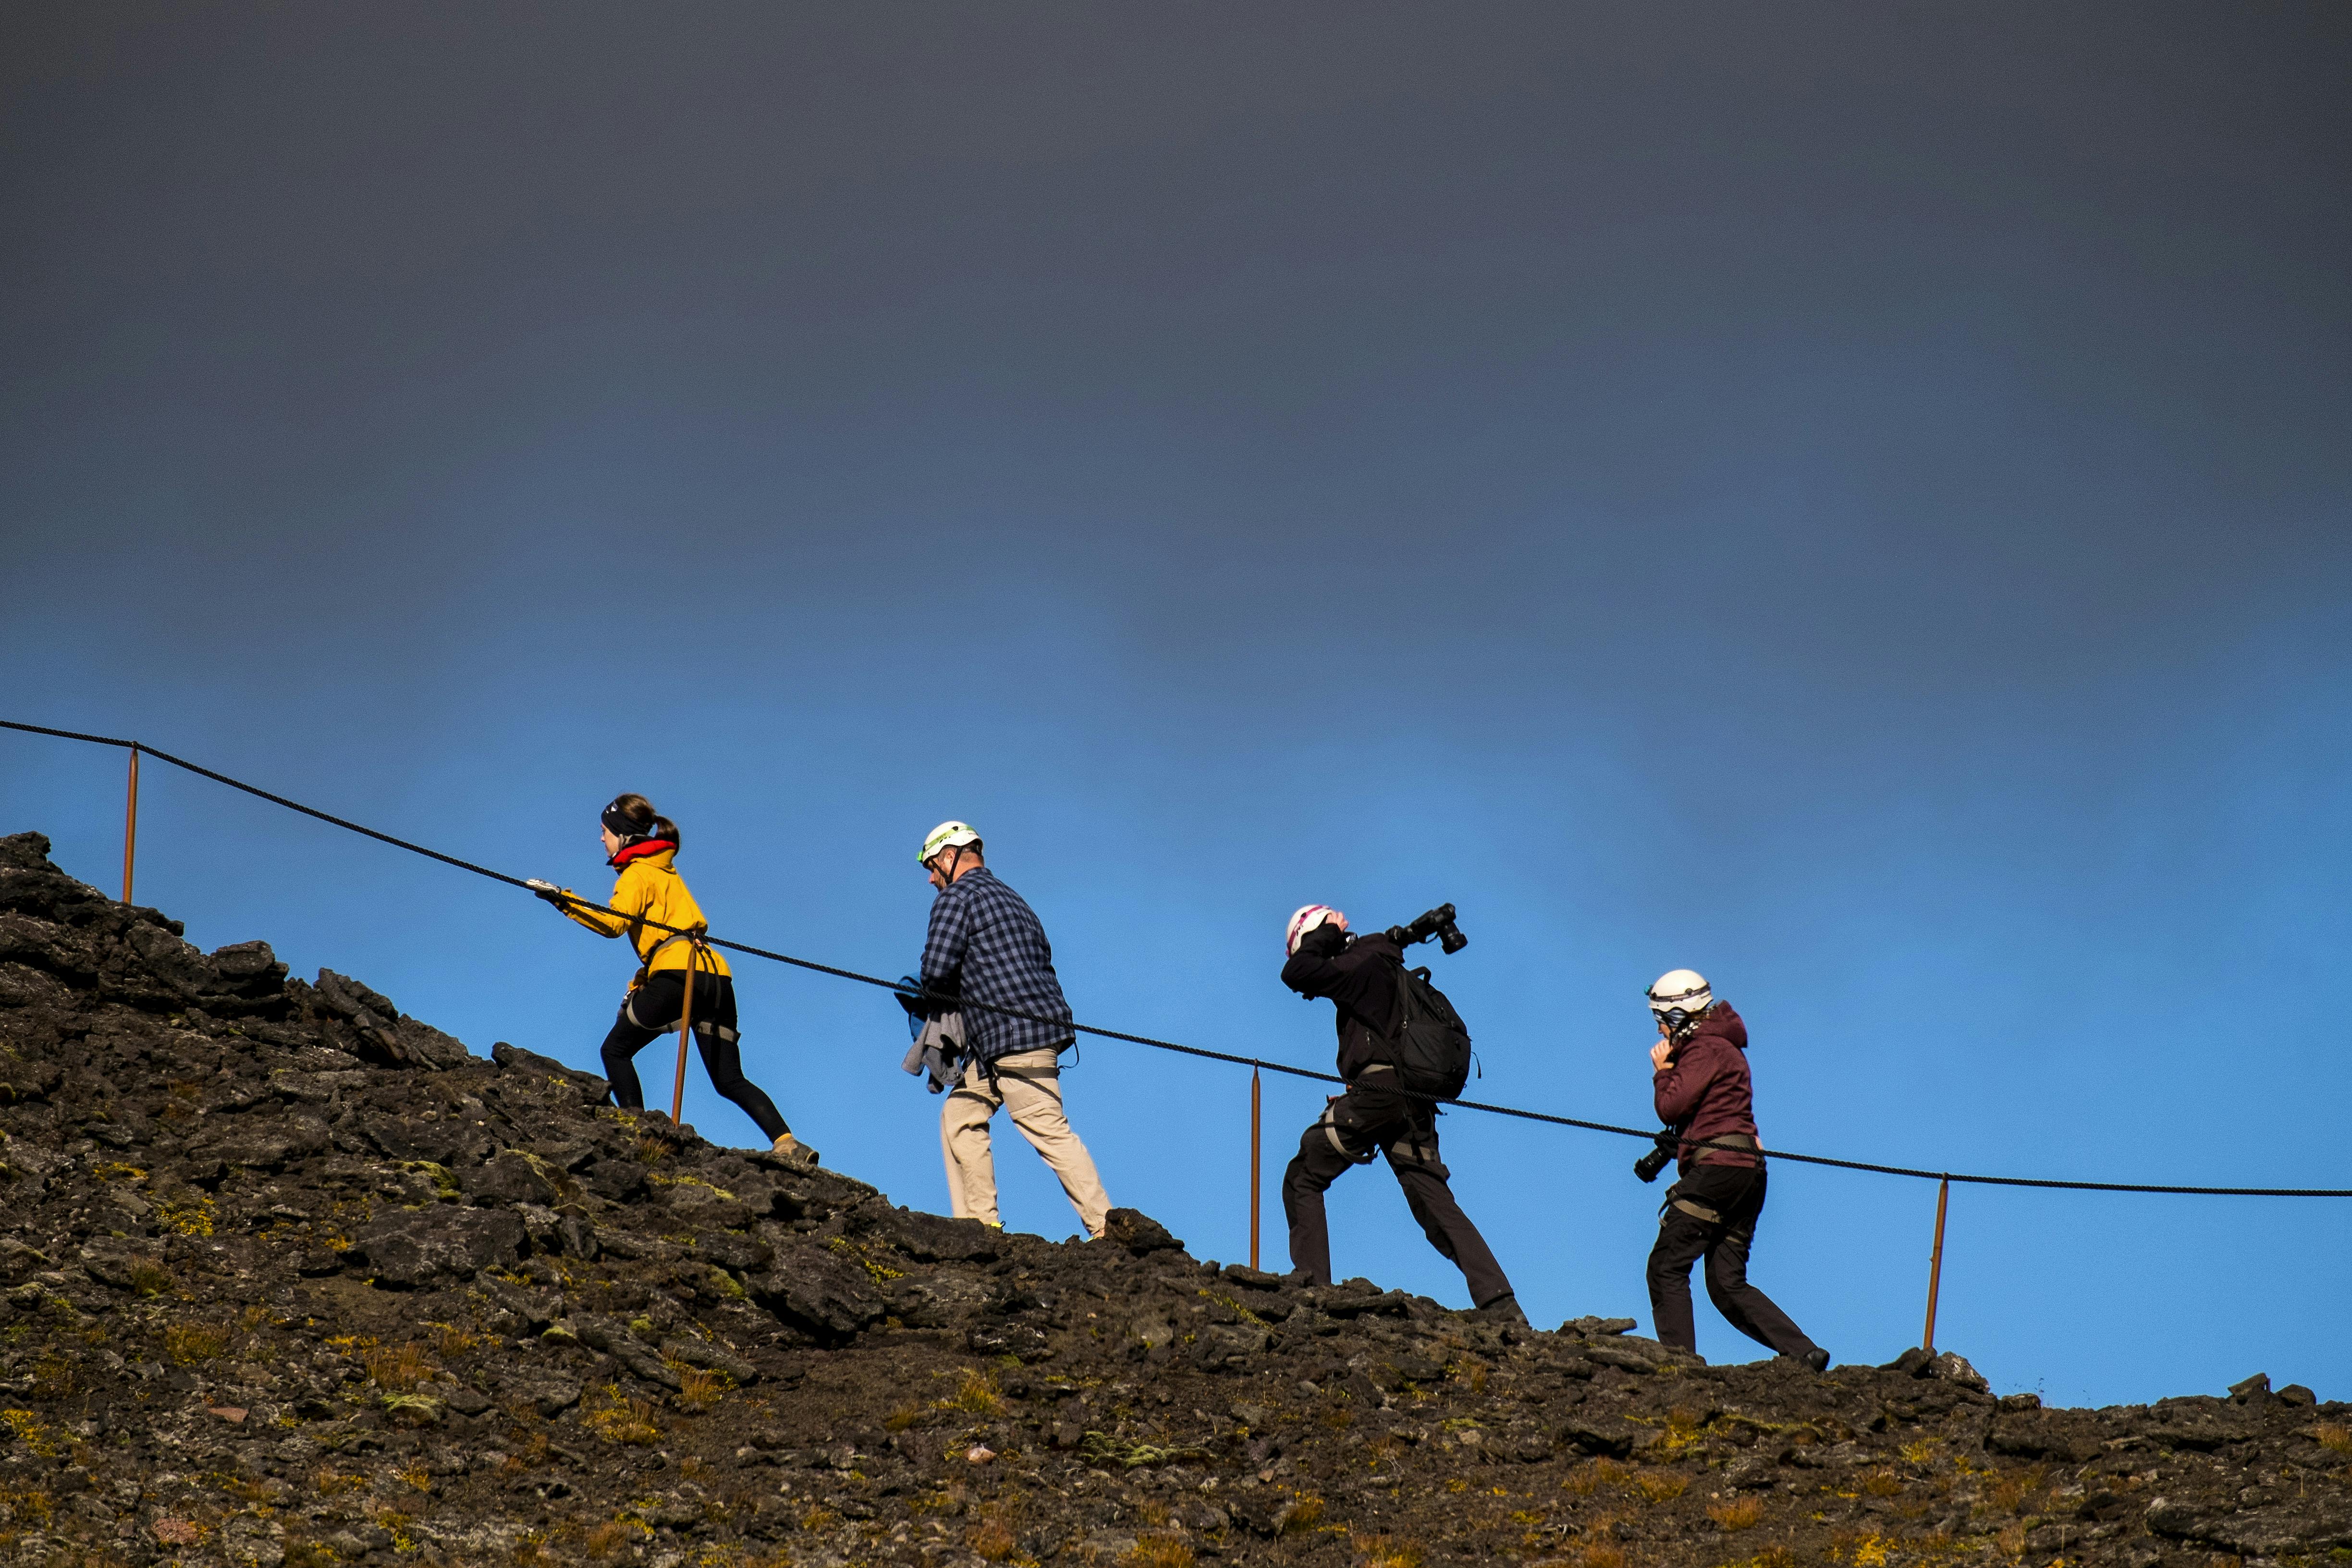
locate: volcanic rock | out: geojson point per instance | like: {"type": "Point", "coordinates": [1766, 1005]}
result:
{"type": "Point", "coordinates": [290, 1278]}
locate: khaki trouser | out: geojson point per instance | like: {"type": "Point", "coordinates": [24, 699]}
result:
{"type": "Point", "coordinates": [1029, 1085]}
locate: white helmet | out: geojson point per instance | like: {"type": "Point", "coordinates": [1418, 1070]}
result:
{"type": "Point", "coordinates": [946, 835]}
{"type": "Point", "coordinates": [1308, 917]}
{"type": "Point", "coordinates": [1682, 992]}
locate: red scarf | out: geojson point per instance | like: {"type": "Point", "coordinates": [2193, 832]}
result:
{"type": "Point", "coordinates": [638, 850]}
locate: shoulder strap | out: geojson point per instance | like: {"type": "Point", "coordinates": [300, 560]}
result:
{"type": "Point", "coordinates": [1406, 1006]}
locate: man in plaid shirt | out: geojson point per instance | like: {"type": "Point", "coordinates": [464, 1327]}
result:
{"type": "Point", "coordinates": [986, 945]}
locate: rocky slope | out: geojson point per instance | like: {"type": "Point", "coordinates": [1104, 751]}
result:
{"type": "Point", "coordinates": [291, 1279]}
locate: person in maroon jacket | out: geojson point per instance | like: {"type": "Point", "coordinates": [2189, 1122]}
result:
{"type": "Point", "coordinates": [1704, 1097]}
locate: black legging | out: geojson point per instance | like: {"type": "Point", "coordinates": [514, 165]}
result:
{"type": "Point", "coordinates": [1734, 1195]}
{"type": "Point", "coordinates": [1372, 1116]}
{"type": "Point", "coordinates": [651, 1010]}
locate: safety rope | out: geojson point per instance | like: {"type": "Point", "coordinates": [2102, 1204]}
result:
{"type": "Point", "coordinates": [699, 937]}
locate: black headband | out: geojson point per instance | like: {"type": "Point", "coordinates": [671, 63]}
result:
{"type": "Point", "coordinates": [620, 825]}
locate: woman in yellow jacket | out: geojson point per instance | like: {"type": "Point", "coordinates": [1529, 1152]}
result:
{"type": "Point", "coordinates": [643, 847]}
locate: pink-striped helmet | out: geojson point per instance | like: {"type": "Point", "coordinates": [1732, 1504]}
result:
{"type": "Point", "coordinates": [1307, 919]}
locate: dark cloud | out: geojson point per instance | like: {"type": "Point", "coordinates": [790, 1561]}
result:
{"type": "Point", "coordinates": [1927, 316]}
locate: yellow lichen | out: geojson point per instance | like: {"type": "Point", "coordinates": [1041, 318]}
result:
{"type": "Point", "coordinates": [977, 1397]}
{"type": "Point", "coordinates": [624, 1420]}
{"type": "Point", "coordinates": [186, 1213]}
{"type": "Point", "coordinates": [660, 1178]}
{"type": "Point", "coordinates": [30, 1431]}
{"type": "Point", "coordinates": [188, 1343]}
{"type": "Point", "coordinates": [1737, 1514]}
{"type": "Point", "coordinates": [1221, 1300]}
{"type": "Point", "coordinates": [880, 1273]}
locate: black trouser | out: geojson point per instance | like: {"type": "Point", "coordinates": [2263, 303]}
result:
{"type": "Point", "coordinates": [1367, 1118]}
{"type": "Point", "coordinates": [651, 1010]}
{"type": "Point", "coordinates": [1734, 1195]}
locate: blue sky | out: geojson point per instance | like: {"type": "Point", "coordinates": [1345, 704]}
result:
{"type": "Point", "coordinates": [1855, 506]}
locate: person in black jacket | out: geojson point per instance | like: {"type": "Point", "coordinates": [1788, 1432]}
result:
{"type": "Point", "coordinates": [1360, 976]}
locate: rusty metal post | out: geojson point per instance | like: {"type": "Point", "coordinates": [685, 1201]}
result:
{"type": "Point", "coordinates": [1936, 1263]}
{"type": "Point", "coordinates": [131, 824]}
{"type": "Point", "coordinates": [685, 1034]}
{"type": "Point", "coordinates": [1254, 1162]}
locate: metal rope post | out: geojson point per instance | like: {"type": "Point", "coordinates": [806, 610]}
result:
{"type": "Point", "coordinates": [131, 824]}
{"type": "Point", "coordinates": [686, 1026]}
{"type": "Point", "coordinates": [1253, 1164]}
{"type": "Point", "coordinates": [1936, 1262]}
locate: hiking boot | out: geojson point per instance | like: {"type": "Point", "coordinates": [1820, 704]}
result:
{"type": "Point", "coordinates": [791, 1148]}
{"type": "Point", "coordinates": [1818, 1359]}
{"type": "Point", "coordinates": [1503, 1308]}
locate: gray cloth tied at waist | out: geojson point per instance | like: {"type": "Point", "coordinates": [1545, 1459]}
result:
{"type": "Point", "coordinates": [937, 1050]}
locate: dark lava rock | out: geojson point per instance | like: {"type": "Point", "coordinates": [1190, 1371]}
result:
{"type": "Point", "coordinates": [511, 1178]}
{"type": "Point", "coordinates": [2305, 1526]}
{"type": "Point", "coordinates": [1139, 1232]}
{"type": "Point", "coordinates": [1604, 1435]}
{"type": "Point", "coordinates": [2038, 1434]}
{"type": "Point", "coordinates": [290, 1278]}
{"type": "Point", "coordinates": [265, 1145]}
{"type": "Point", "coordinates": [514, 1059]}
{"type": "Point", "coordinates": [1221, 1345]}
{"type": "Point", "coordinates": [114, 1261]}
{"type": "Point", "coordinates": [1954, 1368]}
{"type": "Point", "coordinates": [437, 1242]}
{"type": "Point", "coordinates": [735, 1251]}
{"type": "Point", "coordinates": [819, 1289]}
{"type": "Point", "coordinates": [930, 1239]}
{"type": "Point", "coordinates": [937, 1304]}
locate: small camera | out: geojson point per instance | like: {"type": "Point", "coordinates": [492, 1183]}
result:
{"type": "Point", "coordinates": [1439, 924]}
{"type": "Point", "coordinates": [1648, 1166]}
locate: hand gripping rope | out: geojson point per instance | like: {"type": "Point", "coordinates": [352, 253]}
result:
{"type": "Point", "coordinates": [699, 939]}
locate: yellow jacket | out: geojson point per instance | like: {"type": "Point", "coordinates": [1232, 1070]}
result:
{"type": "Point", "coordinates": [651, 888]}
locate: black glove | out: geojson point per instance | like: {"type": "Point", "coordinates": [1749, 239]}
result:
{"type": "Point", "coordinates": [1325, 941]}
{"type": "Point", "coordinates": [910, 994]}
{"type": "Point", "coordinates": [546, 890]}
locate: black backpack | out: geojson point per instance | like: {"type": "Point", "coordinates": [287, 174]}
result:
{"type": "Point", "coordinates": [1431, 1047]}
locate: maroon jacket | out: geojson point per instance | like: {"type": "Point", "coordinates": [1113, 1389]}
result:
{"type": "Point", "coordinates": [1704, 1092]}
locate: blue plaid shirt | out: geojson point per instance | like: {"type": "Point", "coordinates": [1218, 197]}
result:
{"type": "Point", "coordinates": [986, 945]}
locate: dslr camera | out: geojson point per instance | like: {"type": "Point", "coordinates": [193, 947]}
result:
{"type": "Point", "coordinates": [1648, 1166]}
{"type": "Point", "coordinates": [1439, 924]}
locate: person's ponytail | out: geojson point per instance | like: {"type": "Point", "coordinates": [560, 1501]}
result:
{"type": "Point", "coordinates": [632, 817]}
